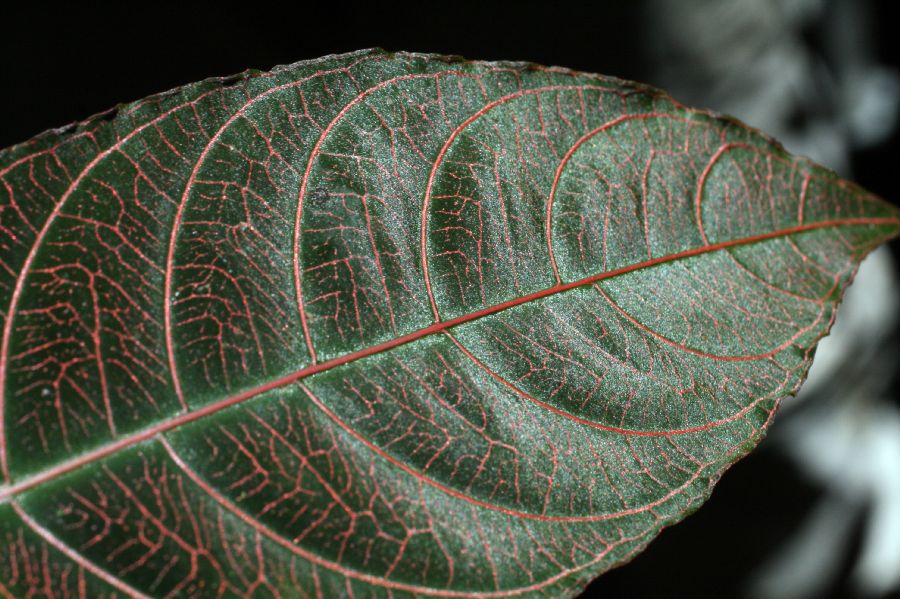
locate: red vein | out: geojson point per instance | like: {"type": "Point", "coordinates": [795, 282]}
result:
{"type": "Point", "coordinates": [173, 237]}
{"type": "Point", "coordinates": [76, 557]}
{"type": "Point", "coordinates": [29, 260]}
{"type": "Point", "coordinates": [57, 210]}
{"type": "Point", "coordinates": [369, 578]}
{"type": "Point", "coordinates": [604, 427]}
{"type": "Point", "coordinates": [562, 165]}
{"type": "Point", "coordinates": [27, 158]}
{"type": "Point", "coordinates": [697, 352]}
{"type": "Point", "coordinates": [101, 366]}
{"type": "Point", "coordinates": [421, 476]}
{"type": "Point", "coordinates": [701, 183]}
{"type": "Point", "coordinates": [437, 327]}
{"type": "Point", "coordinates": [802, 203]}
{"type": "Point", "coordinates": [304, 182]}
{"type": "Point", "coordinates": [423, 237]}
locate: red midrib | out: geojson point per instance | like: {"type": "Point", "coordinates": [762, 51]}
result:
{"type": "Point", "coordinates": [437, 327]}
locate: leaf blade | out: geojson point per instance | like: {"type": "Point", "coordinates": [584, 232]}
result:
{"type": "Point", "coordinates": [477, 337]}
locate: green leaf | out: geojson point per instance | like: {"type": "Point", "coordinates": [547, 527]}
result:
{"type": "Point", "coordinates": [395, 325]}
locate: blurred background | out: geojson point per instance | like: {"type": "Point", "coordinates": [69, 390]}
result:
{"type": "Point", "coordinates": [815, 511]}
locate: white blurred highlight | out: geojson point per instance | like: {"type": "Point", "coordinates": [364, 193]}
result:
{"type": "Point", "coordinates": [753, 59]}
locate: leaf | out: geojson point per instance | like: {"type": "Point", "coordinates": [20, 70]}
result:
{"type": "Point", "coordinates": [395, 325]}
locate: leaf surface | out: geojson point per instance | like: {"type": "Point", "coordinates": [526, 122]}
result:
{"type": "Point", "coordinates": [395, 325]}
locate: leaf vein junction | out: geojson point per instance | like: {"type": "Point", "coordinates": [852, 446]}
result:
{"type": "Point", "coordinates": [12, 490]}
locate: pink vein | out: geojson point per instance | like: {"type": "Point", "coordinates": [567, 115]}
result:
{"type": "Point", "coordinates": [701, 183]}
{"type": "Point", "coordinates": [711, 356]}
{"type": "Point", "coordinates": [362, 576]}
{"type": "Point", "coordinates": [604, 427]}
{"type": "Point", "coordinates": [432, 329]}
{"type": "Point", "coordinates": [423, 237]}
{"type": "Point", "coordinates": [305, 182]}
{"type": "Point", "coordinates": [29, 260]}
{"type": "Point", "coordinates": [76, 557]}
{"type": "Point", "coordinates": [803, 191]}
{"type": "Point", "coordinates": [173, 237]}
{"type": "Point", "coordinates": [562, 165]}
{"type": "Point", "coordinates": [420, 476]}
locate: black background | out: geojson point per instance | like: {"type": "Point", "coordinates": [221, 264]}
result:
{"type": "Point", "coordinates": [60, 65]}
